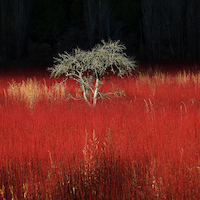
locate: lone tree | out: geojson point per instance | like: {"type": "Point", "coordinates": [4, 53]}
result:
{"type": "Point", "coordinates": [89, 67]}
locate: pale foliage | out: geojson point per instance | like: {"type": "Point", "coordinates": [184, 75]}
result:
{"type": "Point", "coordinates": [89, 67]}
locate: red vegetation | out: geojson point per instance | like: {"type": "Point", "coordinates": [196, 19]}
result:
{"type": "Point", "coordinates": [145, 145]}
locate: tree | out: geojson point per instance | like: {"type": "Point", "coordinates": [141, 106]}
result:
{"type": "Point", "coordinates": [22, 10]}
{"type": "Point", "coordinates": [193, 29]}
{"type": "Point", "coordinates": [151, 28]}
{"type": "Point", "coordinates": [170, 29]}
{"type": "Point", "coordinates": [7, 29]}
{"type": "Point", "coordinates": [15, 20]}
{"type": "Point", "coordinates": [89, 67]}
{"type": "Point", "coordinates": [50, 18]}
{"type": "Point", "coordinates": [97, 18]}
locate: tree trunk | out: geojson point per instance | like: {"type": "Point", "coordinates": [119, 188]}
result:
{"type": "Point", "coordinates": [97, 18]}
{"type": "Point", "coordinates": [7, 30]}
{"type": "Point", "coordinates": [22, 10]}
{"type": "Point", "coordinates": [15, 20]}
{"type": "Point", "coordinates": [151, 28]}
{"type": "Point", "coordinates": [193, 29]}
{"type": "Point", "coordinates": [171, 29]}
{"type": "Point", "coordinates": [90, 11]}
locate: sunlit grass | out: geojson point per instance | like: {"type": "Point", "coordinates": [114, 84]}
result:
{"type": "Point", "coordinates": [31, 91]}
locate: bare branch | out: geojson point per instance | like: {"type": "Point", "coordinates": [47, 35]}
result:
{"type": "Point", "coordinates": [89, 67]}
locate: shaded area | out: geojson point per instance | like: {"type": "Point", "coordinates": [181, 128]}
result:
{"type": "Point", "coordinates": [32, 32]}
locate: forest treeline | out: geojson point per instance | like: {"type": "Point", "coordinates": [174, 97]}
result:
{"type": "Point", "coordinates": [151, 29]}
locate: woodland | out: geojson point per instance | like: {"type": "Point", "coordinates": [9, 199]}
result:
{"type": "Point", "coordinates": [33, 31]}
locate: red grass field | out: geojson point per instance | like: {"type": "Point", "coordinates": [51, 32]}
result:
{"type": "Point", "coordinates": [143, 145]}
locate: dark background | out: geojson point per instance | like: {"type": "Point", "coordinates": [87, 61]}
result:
{"type": "Point", "coordinates": [34, 31]}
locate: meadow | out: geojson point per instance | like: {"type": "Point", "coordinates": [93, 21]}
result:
{"type": "Point", "coordinates": [142, 143]}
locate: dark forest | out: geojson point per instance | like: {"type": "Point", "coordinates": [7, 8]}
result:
{"type": "Point", "coordinates": [34, 31]}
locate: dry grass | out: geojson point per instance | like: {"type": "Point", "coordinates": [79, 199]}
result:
{"type": "Point", "coordinates": [181, 78]}
{"type": "Point", "coordinates": [32, 91]}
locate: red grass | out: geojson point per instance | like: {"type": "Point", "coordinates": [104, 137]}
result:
{"type": "Point", "coordinates": [144, 145]}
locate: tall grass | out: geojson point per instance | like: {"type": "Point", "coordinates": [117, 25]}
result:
{"type": "Point", "coordinates": [143, 145]}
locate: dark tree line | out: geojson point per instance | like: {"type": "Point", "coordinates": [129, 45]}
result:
{"type": "Point", "coordinates": [171, 29]}
{"type": "Point", "coordinates": [97, 17]}
{"type": "Point", "coordinates": [15, 21]}
{"type": "Point", "coordinates": [151, 29]}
